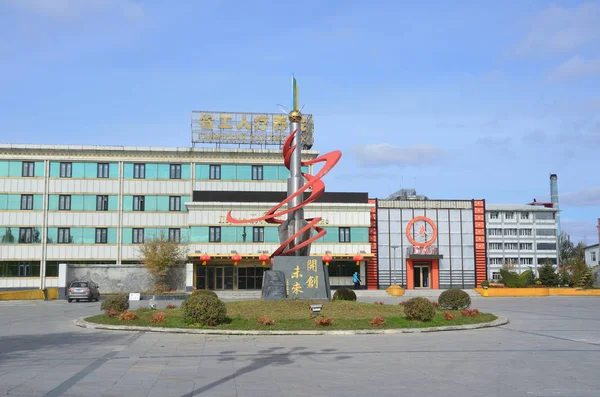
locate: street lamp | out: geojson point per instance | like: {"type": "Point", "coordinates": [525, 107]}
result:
{"type": "Point", "coordinates": [394, 248]}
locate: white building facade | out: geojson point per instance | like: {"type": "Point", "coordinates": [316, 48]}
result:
{"type": "Point", "coordinates": [592, 255]}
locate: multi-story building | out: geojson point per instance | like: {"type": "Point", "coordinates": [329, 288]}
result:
{"type": "Point", "coordinates": [91, 205]}
{"type": "Point", "coordinates": [520, 236]}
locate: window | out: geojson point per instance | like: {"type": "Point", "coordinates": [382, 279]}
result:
{"type": "Point", "coordinates": [102, 170]}
{"type": "Point", "coordinates": [544, 215]}
{"type": "Point", "coordinates": [524, 215]}
{"type": "Point", "coordinates": [138, 203]}
{"type": "Point", "coordinates": [593, 256]}
{"type": "Point", "coordinates": [174, 203]}
{"type": "Point", "coordinates": [509, 215]}
{"type": "Point", "coordinates": [257, 172]}
{"type": "Point", "coordinates": [344, 234]}
{"type": "Point", "coordinates": [496, 246]}
{"type": "Point", "coordinates": [526, 261]}
{"type": "Point", "coordinates": [525, 232]}
{"type": "Point", "coordinates": [101, 203]}
{"type": "Point", "coordinates": [258, 234]}
{"type": "Point", "coordinates": [526, 246]}
{"type": "Point", "coordinates": [494, 215]}
{"type": "Point", "coordinates": [64, 235]}
{"type": "Point", "coordinates": [496, 261]}
{"type": "Point", "coordinates": [250, 277]}
{"type": "Point", "coordinates": [27, 201]}
{"type": "Point", "coordinates": [175, 235]}
{"type": "Point", "coordinates": [139, 171]}
{"type": "Point", "coordinates": [65, 170]}
{"type": "Point", "coordinates": [511, 246]}
{"type": "Point", "coordinates": [543, 261]}
{"type": "Point", "coordinates": [510, 232]}
{"type": "Point", "coordinates": [28, 169]}
{"type": "Point", "coordinates": [545, 232]}
{"type": "Point", "coordinates": [214, 234]}
{"type": "Point", "coordinates": [175, 171]}
{"type": "Point", "coordinates": [25, 235]}
{"type": "Point", "coordinates": [510, 261]}
{"type": "Point", "coordinates": [137, 236]}
{"type": "Point", "coordinates": [64, 202]}
{"type": "Point", "coordinates": [546, 246]}
{"type": "Point", "coordinates": [494, 232]}
{"type": "Point", "coordinates": [495, 276]}
{"type": "Point", "coordinates": [214, 172]}
{"type": "Point", "coordinates": [101, 235]}
{"type": "Point", "coordinates": [24, 269]}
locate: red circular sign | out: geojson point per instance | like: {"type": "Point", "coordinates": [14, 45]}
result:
{"type": "Point", "coordinates": [426, 231]}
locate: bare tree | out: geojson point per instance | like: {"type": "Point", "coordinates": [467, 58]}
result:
{"type": "Point", "coordinates": [160, 255]}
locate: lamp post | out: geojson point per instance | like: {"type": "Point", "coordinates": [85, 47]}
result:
{"type": "Point", "coordinates": [394, 259]}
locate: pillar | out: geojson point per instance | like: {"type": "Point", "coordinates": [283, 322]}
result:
{"type": "Point", "coordinates": [189, 277]}
{"type": "Point", "coordinates": [62, 280]}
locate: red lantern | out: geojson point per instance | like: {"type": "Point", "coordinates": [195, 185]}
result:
{"type": "Point", "coordinates": [358, 258]}
{"type": "Point", "coordinates": [327, 258]}
{"type": "Point", "coordinates": [236, 258]}
{"type": "Point", "coordinates": [205, 258]}
{"type": "Point", "coordinates": [264, 258]}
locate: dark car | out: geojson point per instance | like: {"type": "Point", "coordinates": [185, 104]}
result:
{"type": "Point", "coordinates": [83, 290]}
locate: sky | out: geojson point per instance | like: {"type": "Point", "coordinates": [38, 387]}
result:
{"type": "Point", "coordinates": [457, 99]}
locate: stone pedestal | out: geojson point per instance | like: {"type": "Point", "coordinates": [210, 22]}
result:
{"type": "Point", "coordinates": [273, 285]}
{"type": "Point", "coordinates": [305, 277]}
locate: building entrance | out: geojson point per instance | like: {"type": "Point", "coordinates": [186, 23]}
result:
{"type": "Point", "coordinates": [214, 277]}
{"type": "Point", "coordinates": [421, 275]}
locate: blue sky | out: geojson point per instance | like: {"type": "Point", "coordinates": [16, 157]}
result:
{"type": "Point", "coordinates": [468, 99]}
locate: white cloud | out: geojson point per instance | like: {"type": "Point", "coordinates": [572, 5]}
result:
{"type": "Point", "coordinates": [383, 154]}
{"type": "Point", "coordinates": [580, 231]}
{"type": "Point", "coordinates": [587, 197]}
{"type": "Point", "coordinates": [558, 30]}
{"type": "Point", "coordinates": [575, 67]}
{"type": "Point", "coordinates": [77, 8]}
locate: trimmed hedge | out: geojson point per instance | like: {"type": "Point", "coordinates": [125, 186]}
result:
{"type": "Point", "coordinates": [454, 299]}
{"type": "Point", "coordinates": [420, 309]}
{"type": "Point", "coordinates": [118, 303]}
{"type": "Point", "coordinates": [515, 280]}
{"type": "Point", "coordinates": [344, 294]}
{"type": "Point", "coordinates": [203, 309]}
{"type": "Point", "coordinates": [205, 292]}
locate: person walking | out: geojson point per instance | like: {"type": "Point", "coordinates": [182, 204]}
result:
{"type": "Point", "coordinates": [356, 280]}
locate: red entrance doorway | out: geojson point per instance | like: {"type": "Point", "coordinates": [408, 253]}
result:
{"type": "Point", "coordinates": [422, 273]}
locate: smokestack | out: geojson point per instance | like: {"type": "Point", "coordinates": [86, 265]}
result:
{"type": "Point", "coordinates": [554, 199]}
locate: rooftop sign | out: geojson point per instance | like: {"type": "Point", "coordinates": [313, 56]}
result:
{"type": "Point", "coordinates": [263, 129]}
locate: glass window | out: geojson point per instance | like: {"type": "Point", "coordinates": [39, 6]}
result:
{"type": "Point", "coordinates": [102, 170]}
{"type": "Point", "coordinates": [544, 215]}
{"type": "Point", "coordinates": [65, 170]}
{"type": "Point", "coordinates": [101, 203]}
{"type": "Point", "coordinates": [28, 169]}
{"type": "Point", "coordinates": [510, 232]}
{"type": "Point", "coordinates": [494, 232]}
{"type": "Point", "coordinates": [138, 203]}
{"type": "Point", "coordinates": [174, 203]}
{"type": "Point", "coordinates": [344, 235]}
{"type": "Point", "coordinates": [26, 235]}
{"type": "Point", "coordinates": [137, 236]}
{"type": "Point", "coordinates": [258, 234]}
{"type": "Point", "coordinates": [509, 215]}
{"type": "Point", "coordinates": [494, 215]}
{"type": "Point", "coordinates": [525, 232]}
{"type": "Point", "coordinates": [526, 246]}
{"type": "Point", "coordinates": [175, 171]}
{"type": "Point", "coordinates": [214, 172]}
{"type": "Point", "coordinates": [27, 201]}
{"type": "Point", "coordinates": [139, 171]}
{"type": "Point", "coordinates": [101, 235]}
{"type": "Point", "coordinates": [593, 256]}
{"type": "Point", "coordinates": [545, 232]}
{"type": "Point", "coordinates": [257, 172]}
{"type": "Point", "coordinates": [341, 269]}
{"type": "Point", "coordinates": [214, 234]}
{"type": "Point", "coordinates": [250, 277]}
{"type": "Point", "coordinates": [64, 202]}
{"type": "Point", "coordinates": [64, 235]}
{"type": "Point", "coordinates": [496, 276]}
{"type": "Point", "coordinates": [175, 235]}
{"type": "Point", "coordinates": [546, 246]}
{"type": "Point", "coordinates": [524, 215]}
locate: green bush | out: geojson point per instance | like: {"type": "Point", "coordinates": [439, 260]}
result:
{"type": "Point", "coordinates": [485, 283]}
{"type": "Point", "coordinates": [203, 309]}
{"type": "Point", "coordinates": [515, 280]}
{"type": "Point", "coordinates": [454, 299]}
{"type": "Point", "coordinates": [420, 309]}
{"type": "Point", "coordinates": [548, 275]}
{"type": "Point", "coordinates": [344, 294]}
{"type": "Point", "coordinates": [118, 303]}
{"type": "Point", "coordinates": [582, 275]}
{"type": "Point", "coordinates": [205, 292]}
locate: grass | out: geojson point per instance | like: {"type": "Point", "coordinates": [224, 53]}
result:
{"type": "Point", "coordinates": [295, 315]}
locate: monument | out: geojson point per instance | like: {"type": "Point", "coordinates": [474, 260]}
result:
{"type": "Point", "coordinates": [305, 275]}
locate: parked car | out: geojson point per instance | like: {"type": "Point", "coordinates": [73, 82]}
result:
{"type": "Point", "coordinates": [83, 290]}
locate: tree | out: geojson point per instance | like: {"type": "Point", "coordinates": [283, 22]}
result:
{"type": "Point", "coordinates": [548, 275]}
{"type": "Point", "coordinates": [160, 255]}
{"type": "Point", "coordinates": [565, 249]}
{"type": "Point", "coordinates": [8, 237]}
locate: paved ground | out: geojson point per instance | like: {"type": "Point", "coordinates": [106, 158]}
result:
{"type": "Point", "coordinates": [550, 348]}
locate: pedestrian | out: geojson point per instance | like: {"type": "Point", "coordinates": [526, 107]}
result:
{"type": "Point", "coordinates": [356, 280]}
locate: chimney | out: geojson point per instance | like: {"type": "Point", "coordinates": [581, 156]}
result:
{"type": "Point", "coordinates": [554, 199]}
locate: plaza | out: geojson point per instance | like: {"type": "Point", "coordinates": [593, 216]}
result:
{"type": "Point", "coordinates": [550, 348]}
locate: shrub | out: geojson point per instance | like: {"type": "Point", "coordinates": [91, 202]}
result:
{"type": "Point", "coordinates": [344, 294]}
{"type": "Point", "coordinates": [419, 309]}
{"type": "Point", "coordinates": [112, 312]}
{"type": "Point", "coordinates": [435, 304]}
{"type": "Point", "coordinates": [454, 299]}
{"type": "Point", "coordinates": [171, 306]}
{"type": "Point", "coordinates": [324, 321]}
{"type": "Point", "coordinates": [548, 275]}
{"type": "Point", "coordinates": [203, 309]}
{"type": "Point", "coordinates": [377, 321]}
{"type": "Point", "coordinates": [157, 318]}
{"type": "Point", "coordinates": [469, 313]}
{"type": "Point", "coordinates": [515, 280]}
{"type": "Point", "coordinates": [205, 292]}
{"type": "Point", "coordinates": [266, 320]}
{"type": "Point", "coordinates": [127, 316]}
{"type": "Point", "coordinates": [449, 316]}
{"type": "Point", "coordinates": [118, 303]}
{"type": "Point", "coordinates": [485, 283]}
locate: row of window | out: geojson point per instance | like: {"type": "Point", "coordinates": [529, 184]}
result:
{"type": "Point", "coordinates": [519, 261]}
{"type": "Point", "coordinates": [521, 232]}
{"type": "Point", "coordinates": [511, 215]}
{"type": "Point", "coordinates": [102, 202]}
{"type": "Point", "coordinates": [520, 246]}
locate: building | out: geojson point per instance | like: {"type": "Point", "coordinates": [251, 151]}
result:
{"type": "Point", "coordinates": [94, 206]}
{"type": "Point", "coordinates": [592, 255]}
{"type": "Point", "coordinates": [520, 236]}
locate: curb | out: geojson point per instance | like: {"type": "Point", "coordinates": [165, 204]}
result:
{"type": "Point", "coordinates": [80, 322]}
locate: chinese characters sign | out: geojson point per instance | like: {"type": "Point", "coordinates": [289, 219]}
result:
{"type": "Point", "coordinates": [305, 277]}
{"type": "Point", "coordinates": [247, 128]}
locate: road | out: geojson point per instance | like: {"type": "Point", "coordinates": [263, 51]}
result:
{"type": "Point", "coordinates": [550, 348]}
